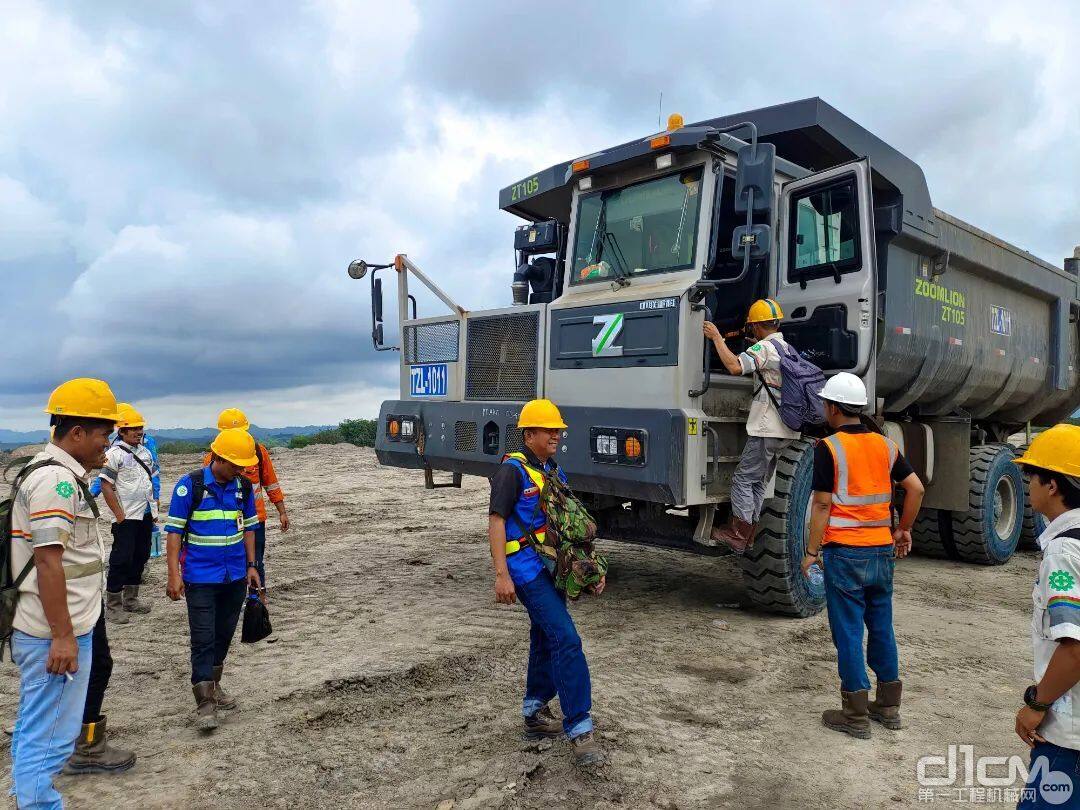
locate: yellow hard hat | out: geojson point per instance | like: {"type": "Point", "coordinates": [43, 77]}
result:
{"type": "Point", "coordinates": [85, 397]}
{"type": "Point", "coordinates": [764, 309]}
{"type": "Point", "coordinates": [235, 445]}
{"type": "Point", "coordinates": [1056, 449]}
{"type": "Point", "coordinates": [128, 417]}
{"type": "Point", "coordinates": [541, 413]}
{"type": "Point", "coordinates": [232, 418]}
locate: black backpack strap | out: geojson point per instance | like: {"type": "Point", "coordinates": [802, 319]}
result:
{"type": "Point", "coordinates": [198, 489]}
{"type": "Point", "coordinates": [1072, 534]}
{"type": "Point", "coordinates": [768, 390]}
{"type": "Point", "coordinates": [141, 463]}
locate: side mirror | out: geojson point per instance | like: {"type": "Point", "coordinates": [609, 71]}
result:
{"type": "Point", "coordinates": [358, 269]}
{"type": "Point", "coordinates": [377, 335]}
{"type": "Point", "coordinates": [754, 173]}
{"type": "Point", "coordinates": [757, 240]}
{"type": "Point", "coordinates": [376, 300]}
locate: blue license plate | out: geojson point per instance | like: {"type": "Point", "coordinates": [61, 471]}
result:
{"type": "Point", "coordinates": [429, 381]}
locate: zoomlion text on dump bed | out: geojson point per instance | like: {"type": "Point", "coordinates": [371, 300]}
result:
{"type": "Point", "coordinates": [961, 338]}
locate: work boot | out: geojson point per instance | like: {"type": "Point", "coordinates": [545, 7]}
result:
{"type": "Point", "coordinates": [853, 718]}
{"type": "Point", "coordinates": [114, 608]}
{"type": "Point", "coordinates": [222, 698]}
{"type": "Point", "coordinates": [737, 535]}
{"type": "Point", "coordinates": [131, 600]}
{"type": "Point", "coordinates": [885, 708]}
{"type": "Point", "coordinates": [206, 718]}
{"type": "Point", "coordinates": [543, 725]}
{"type": "Point", "coordinates": [586, 750]}
{"type": "Point", "coordinates": [93, 754]}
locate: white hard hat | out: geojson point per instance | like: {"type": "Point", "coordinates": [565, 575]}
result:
{"type": "Point", "coordinates": [846, 389]}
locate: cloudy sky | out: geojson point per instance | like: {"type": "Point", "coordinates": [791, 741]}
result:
{"type": "Point", "coordinates": [183, 183]}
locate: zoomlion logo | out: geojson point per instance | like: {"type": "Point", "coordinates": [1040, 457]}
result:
{"type": "Point", "coordinates": [605, 343]}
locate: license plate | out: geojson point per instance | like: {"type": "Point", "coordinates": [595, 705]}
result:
{"type": "Point", "coordinates": [429, 381]}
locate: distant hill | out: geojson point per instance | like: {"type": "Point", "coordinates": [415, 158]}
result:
{"type": "Point", "coordinates": [10, 439]}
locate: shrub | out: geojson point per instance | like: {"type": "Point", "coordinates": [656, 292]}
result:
{"type": "Point", "coordinates": [181, 447]}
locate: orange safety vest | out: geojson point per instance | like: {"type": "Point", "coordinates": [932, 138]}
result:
{"type": "Point", "coordinates": [862, 492]}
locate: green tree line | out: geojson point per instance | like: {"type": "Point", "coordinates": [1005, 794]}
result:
{"type": "Point", "coordinates": [360, 432]}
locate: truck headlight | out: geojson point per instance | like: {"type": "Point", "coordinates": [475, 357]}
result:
{"type": "Point", "coordinates": [408, 429]}
{"type": "Point", "coordinates": [618, 446]}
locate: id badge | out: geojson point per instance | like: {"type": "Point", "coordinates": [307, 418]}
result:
{"type": "Point", "coordinates": [240, 522]}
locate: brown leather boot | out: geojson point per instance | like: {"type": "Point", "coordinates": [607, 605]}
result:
{"type": "Point", "coordinates": [885, 708]}
{"type": "Point", "coordinates": [586, 750]}
{"type": "Point", "coordinates": [738, 535]}
{"type": "Point", "coordinates": [222, 698]}
{"type": "Point", "coordinates": [543, 725]}
{"type": "Point", "coordinates": [93, 754]}
{"type": "Point", "coordinates": [131, 601]}
{"type": "Point", "coordinates": [853, 718]}
{"type": "Point", "coordinates": [114, 608]}
{"type": "Point", "coordinates": [206, 718]}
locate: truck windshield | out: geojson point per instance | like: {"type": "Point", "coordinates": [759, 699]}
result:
{"type": "Point", "coordinates": [649, 227]}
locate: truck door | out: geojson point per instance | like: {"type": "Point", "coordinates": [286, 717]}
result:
{"type": "Point", "coordinates": [826, 267]}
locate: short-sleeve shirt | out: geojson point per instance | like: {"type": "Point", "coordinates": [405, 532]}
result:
{"type": "Point", "coordinates": [134, 486]}
{"type": "Point", "coordinates": [214, 542]}
{"type": "Point", "coordinates": [825, 467]}
{"type": "Point", "coordinates": [50, 510]}
{"type": "Point", "coordinates": [1056, 616]}
{"type": "Point", "coordinates": [764, 419]}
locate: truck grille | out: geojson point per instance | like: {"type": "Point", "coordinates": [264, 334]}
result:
{"type": "Point", "coordinates": [501, 357]}
{"type": "Point", "coordinates": [432, 342]}
{"type": "Point", "coordinates": [513, 443]}
{"type": "Point", "coordinates": [465, 437]}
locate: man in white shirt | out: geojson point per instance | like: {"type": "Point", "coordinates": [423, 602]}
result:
{"type": "Point", "coordinates": [57, 561]}
{"type": "Point", "coordinates": [767, 435]}
{"type": "Point", "coordinates": [1049, 723]}
{"type": "Point", "coordinates": [127, 484]}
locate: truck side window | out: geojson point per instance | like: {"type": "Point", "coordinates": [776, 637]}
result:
{"type": "Point", "coordinates": [824, 228]}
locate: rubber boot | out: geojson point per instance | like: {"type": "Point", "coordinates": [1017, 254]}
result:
{"type": "Point", "coordinates": [222, 698]}
{"type": "Point", "coordinates": [737, 535]}
{"type": "Point", "coordinates": [131, 600]}
{"type": "Point", "coordinates": [586, 750]}
{"type": "Point", "coordinates": [114, 608]}
{"type": "Point", "coordinates": [93, 754]}
{"type": "Point", "coordinates": [853, 718]}
{"type": "Point", "coordinates": [885, 708]}
{"type": "Point", "coordinates": [206, 718]}
{"type": "Point", "coordinates": [543, 725]}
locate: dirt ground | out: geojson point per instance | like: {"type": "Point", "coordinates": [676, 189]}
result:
{"type": "Point", "coordinates": [395, 680]}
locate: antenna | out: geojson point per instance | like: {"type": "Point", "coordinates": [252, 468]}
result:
{"type": "Point", "coordinates": [660, 112]}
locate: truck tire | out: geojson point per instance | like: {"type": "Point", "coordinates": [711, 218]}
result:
{"type": "Point", "coordinates": [1034, 523]}
{"type": "Point", "coordinates": [929, 538]}
{"type": "Point", "coordinates": [771, 568]}
{"type": "Point", "coordinates": [987, 533]}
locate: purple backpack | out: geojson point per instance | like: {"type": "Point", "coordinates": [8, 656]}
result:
{"type": "Point", "coordinates": [800, 389]}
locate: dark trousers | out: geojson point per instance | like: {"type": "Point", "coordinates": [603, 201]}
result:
{"type": "Point", "coordinates": [1053, 778]}
{"type": "Point", "coordinates": [130, 551]}
{"type": "Point", "coordinates": [858, 594]}
{"type": "Point", "coordinates": [260, 550]}
{"type": "Point", "coordinates": [213, 610]}
{"type": "Point", "coordinates": [101, 665]}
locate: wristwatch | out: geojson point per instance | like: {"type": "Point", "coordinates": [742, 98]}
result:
{"type": "Point", "coordinates": [253, 565]}
{"type": "Point", "coordinates": [1031, 701]}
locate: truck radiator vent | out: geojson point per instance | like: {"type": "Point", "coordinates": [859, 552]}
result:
{"type": "Point", "coordinates": [432, 342]}
{"type": "Point", "coordinates": [513, 442]}
{"type": "Point", "coordinates": [465, 437]}
{"type": "Point", "coordinates": [501, 357]}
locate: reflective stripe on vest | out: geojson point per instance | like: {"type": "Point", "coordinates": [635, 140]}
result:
{"type": "Point", "coordinates": [526, 506]}
{"type": "Point", "coordinates": [861, 513]}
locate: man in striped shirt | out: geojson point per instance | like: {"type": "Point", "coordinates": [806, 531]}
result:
{"type": "Point", "coordinates": [211, 555]}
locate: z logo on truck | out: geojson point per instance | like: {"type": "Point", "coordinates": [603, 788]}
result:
{"type": "Point", "coordinates": [604, 344]}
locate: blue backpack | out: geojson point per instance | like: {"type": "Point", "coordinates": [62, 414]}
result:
{"type": "Point", "coordinates": [800, 389]}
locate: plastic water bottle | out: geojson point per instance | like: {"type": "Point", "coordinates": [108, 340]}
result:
{"type": "Point", "coordinates": [155, 542]}
{"type": "Point", "coordinates": [816, 575]}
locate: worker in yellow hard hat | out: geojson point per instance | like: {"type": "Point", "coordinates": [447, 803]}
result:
{"type": "Point", "coordinates": [263, 478]}
{"type": "Point", "coordinates": [212, 516]}
{"type": "Point", "coordinates": [517, 531]}
{"type": "Point", "coordinates": [57, 560]}
{"type": "Point", "coordinates": [127, 486]}
{"type": "Point", "coordinates": [1049, 722]}
{"type": "Point", "coordinates": [767, 435]}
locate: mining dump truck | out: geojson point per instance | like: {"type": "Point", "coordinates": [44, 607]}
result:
{"type": "Point", "coordinates": [961, 338]}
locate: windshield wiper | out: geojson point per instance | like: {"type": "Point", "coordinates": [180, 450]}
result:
{"type": "Point", "coordinates": [606, 237]}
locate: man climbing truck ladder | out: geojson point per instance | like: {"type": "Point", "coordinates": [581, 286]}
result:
{"type": "Point", "coordinates": [960, 338]}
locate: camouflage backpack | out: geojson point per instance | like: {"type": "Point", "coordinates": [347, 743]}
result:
{"type": "Point", "coordinates": [569, 540]}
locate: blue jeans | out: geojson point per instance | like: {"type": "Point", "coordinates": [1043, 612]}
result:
{"type": "Point", "coordinates": [557, 663]}
{"type": "Point", "coordinates": [1059, 782]}
{"type": "Point", "coordinates": [858, 591]}
{"type": "Point", "coordinates": [213, 610]}
{"type": "Point", "coordinates": [49, 719]}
